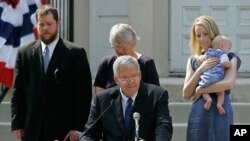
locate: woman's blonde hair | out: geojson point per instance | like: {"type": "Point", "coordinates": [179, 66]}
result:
{"type": "Point", "coordinates": [209, 24]}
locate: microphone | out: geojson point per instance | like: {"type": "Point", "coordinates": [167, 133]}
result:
{"type": "Point", "coordinates": [112, 96]}
{"type": "Point", "coordinates": [136, 117]}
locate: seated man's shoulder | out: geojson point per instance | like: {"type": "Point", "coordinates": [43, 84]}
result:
{"type": "Point", "coordinates": [108, 92]}
{"type": "Point", "coordinates": [155, 88]}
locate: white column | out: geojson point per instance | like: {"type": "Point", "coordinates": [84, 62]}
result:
{"type": "Point", "coordinates": [150, 20]}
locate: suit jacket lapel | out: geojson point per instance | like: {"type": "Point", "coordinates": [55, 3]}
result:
{"type": "Point", "coordinates": [37, 56]}
{"type": "Point", "coordinates": [57, 54]}
{"type": "Point", "coordinates": [139, 104]}
{"type": "Point", "coordinates": [117, 110]}
{"type": "Point", "coordinates": [141, 99]}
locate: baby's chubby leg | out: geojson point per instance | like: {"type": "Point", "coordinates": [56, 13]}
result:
{"type": "Point", "coordinates": [208, 100]}
{"type": "Point", "coordinates": [220, 101]}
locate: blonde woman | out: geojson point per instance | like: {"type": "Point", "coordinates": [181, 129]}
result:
{"type": "Point", "coordinates": [207, 125]}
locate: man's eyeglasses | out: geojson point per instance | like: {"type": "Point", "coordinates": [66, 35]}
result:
{"type": "Point", "coordinates": [126, 80]}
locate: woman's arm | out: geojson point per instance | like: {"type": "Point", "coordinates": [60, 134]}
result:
{"type": "Point", "coordinates": [192, 77]}
{"type": "Point", "coordinates": [191, 81]}
{"type": "Point", "coordinates": [226, 84]}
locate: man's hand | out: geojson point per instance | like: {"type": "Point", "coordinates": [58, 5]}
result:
{"type": "Point", "coordinates": [72, 135]}
{"type": "Point", "coordinates": [18, 134]}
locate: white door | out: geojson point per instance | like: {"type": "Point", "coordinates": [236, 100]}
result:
{"type": "Point", "coordinates": [232, 16]}
{"type": "Point", "coordinates": [104, 14]}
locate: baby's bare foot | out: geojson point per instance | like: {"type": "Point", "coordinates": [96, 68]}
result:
{"type": "Point", "coordinates": [208, 104]}
{"type": "Point", "coordinates": [220, 109]}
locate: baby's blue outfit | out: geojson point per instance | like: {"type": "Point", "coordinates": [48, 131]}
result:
{"type": "Point", "coordinates": [214, 74]}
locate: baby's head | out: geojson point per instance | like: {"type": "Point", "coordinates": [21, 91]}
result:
{"type": "Point", "coordinates": [222, 42]}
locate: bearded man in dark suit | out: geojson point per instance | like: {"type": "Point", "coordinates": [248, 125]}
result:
{"type": "Point", "coordinates": [52, 85]}
{"type": "Point", "coordinates": [109, 119]}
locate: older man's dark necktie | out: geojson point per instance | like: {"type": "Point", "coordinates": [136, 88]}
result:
{"type": "Point", "coordinates": [128, 112]}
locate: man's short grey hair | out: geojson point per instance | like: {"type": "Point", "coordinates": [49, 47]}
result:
{"type": "Point", "coordinates": [125, 61]}
{"type": "Point", "coordinates": [122, 32]}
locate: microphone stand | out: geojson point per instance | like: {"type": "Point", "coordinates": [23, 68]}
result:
{"type": "Point", "coordinates": [137, 138]}
{"type": "Point", "coordinates": [114, 96]}
{"type": "Point", "coordinates": [136, 117]}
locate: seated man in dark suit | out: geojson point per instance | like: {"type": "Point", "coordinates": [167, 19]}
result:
{"type": "Point", "coordinates": [110, 118]}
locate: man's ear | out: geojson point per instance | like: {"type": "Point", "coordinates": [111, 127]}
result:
{"type": "Point", "coordinates": [58, 22]}
{"type": "Point", "coordinates": [140, 74]}
{"type": "Point", "coordinates": [116, 80]}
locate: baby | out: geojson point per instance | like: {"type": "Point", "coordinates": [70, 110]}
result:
{"type": "Point", "coordinates": [220, 49]}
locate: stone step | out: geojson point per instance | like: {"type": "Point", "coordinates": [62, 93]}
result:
{"type": "Point", "coordinates": [180, 112]}
{"type": "Point", "coordinates": [5, 112]}
{"type": "Point", "coordinates": [179, 107]}
{"type": "Point", "coordinates": [174, 86]}
{"type": "Point", "coordinates": [5, 132]}
{"type": "Point", "coordinates": [5, 118]}
{"type": "Point", "coordinates": [179, 132]}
